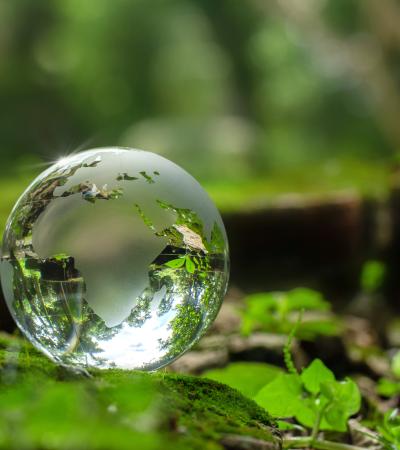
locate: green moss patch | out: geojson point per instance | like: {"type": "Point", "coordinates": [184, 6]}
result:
{"type": "Point", "coordinates": [44, 406]}
{"type": "Point", "coordinates": [205, 410]}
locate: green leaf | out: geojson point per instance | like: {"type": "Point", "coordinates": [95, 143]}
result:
{"type": "Point", "coordinates": [175, 263]}
{"type": "Point", "coordinates": [326, 326]}
{"type": "Point", "coordinates": [307, 415]}
{"type": "Point", "coordinates": [274, 312]}
{"type": "Point", "coordinates": [264, 300]}
{"type": "Point", "coordinates": [315, 374]}
{"type": "Point", "coordinates": [246, 377]}
{"type": "Point", "coordinates": [372, 276]}
{"type": "Point", "coordinates": [60, 256]}
{"type": "Point", "coordinates": [190, 266]}
{"type": "Point", "coordinates": [258, 312]}
{"type": "Point", "coordinates": [388, 388]}
{"type": "Point", "coordinates": [388, 438]}
{"type": "Point", "coordinates": [344, 400]}
{"type": "Point", "coordinates": [391, 426]}
{"type": "Point", "coordinates": [307, 299]}
{"type": "Point", "coordinates": [282, 397]}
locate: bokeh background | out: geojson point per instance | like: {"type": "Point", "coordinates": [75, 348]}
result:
{"type": "Point", "coordinates": [287, 111]}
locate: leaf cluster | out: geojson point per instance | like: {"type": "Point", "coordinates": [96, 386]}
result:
{"type": "Point", "coordinates": [277, 312]}
{"type": "Point", "coordinates": [313, 398]}
{"type": "Point", "coordinates": [190, 262]}
{"type": "Point", "coordinates": [390, 430]}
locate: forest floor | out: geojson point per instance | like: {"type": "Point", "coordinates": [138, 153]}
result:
{"type": "Point", "coordinates": [336, 385]}
{"type": "Point", "coordinates": [44, 406]}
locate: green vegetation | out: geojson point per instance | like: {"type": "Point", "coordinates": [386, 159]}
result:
{"type": "Point", "coordinates": [246, 377]}
{"type": "Point", "coordinates": [206, 410]}
{"type": "Point", "coordinates": [10, 189]}
{"type": "Point", "coordinates": [314, 398]}
{"type": "Point", "coordinates": [271, 105]}
{"type": "Point", "coordinates": [312, 408]}
{"type": "Point", "coordinates": [372, 276]}
{"type": "Point", "coordinates": [390, 386]}
{"type": "Point", "coordinates": [278, 311]}
{"type": "Point", "coordinates": [390, 430]}
{"type": "Point", "coordinates": [311, 401]}
{"type": "Point", "coordinates": [243, 90]}
{"type": "Point", "coordinates": [369, 179]}
{"type": "Point", "coordinates": [45, 406]}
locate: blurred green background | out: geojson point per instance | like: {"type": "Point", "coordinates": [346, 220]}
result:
{"type": "Point", "coordinates": [286, 111]}
{"type": "Point", "coordinates": [265, 102]}
{"type": "Point", "coordinates": [252, 97]}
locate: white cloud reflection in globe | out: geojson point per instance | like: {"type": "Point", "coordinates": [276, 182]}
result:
{"type": "Point", "coordinates": [114, 258]}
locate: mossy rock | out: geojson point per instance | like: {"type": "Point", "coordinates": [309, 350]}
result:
{"type": "Point", "coordinates": [44, 406]}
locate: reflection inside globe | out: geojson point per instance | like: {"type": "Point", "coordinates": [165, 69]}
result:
{"type": "Point", "coordinates": [114, 258]}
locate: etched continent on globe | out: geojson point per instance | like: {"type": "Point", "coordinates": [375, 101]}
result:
{"type": "Point", "coordinates": [114, 257]}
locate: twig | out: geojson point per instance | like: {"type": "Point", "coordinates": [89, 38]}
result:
{"type": "Point", "coordinates": [317, 444]}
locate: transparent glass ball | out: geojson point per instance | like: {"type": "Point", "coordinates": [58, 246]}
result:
{"type": "Point", "coordinates": [114, 258]}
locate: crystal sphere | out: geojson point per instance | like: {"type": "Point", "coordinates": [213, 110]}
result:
{"type": "Point", "coordinates": [114, 257]}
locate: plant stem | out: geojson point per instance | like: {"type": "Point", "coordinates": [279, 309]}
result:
{"type": "Point", "coordinates": [287, 353]}
{"type": "Point", "coordinates": [317, 423]}
{"type": "Point", "coordinates": [309, 442]}
{"type": "Point", "coordinates": [296, 442]}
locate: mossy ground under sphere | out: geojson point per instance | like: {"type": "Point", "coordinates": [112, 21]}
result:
{"type": "Point", "coordinates": [44, 406]}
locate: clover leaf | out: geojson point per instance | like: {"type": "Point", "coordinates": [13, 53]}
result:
{"type": "Point", "coordinates": [315, 374]}
{"type": "Point", "coordinates": [282, 396]}
{"type": "Point", "coordinates": [343, 400]}
{"type": "Point", "coordinates": [175, 263]}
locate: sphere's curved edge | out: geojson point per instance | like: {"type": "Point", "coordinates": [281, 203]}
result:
{"type": "Point", "coordinates": [74, 259]}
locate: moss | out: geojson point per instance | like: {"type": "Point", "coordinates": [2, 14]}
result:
{"type": "Point", "coordinates": [53, 408]}
{"type": "Point", "coordinates": [206, 410]}
{"type": "Point", "coordinates": [18, 356]}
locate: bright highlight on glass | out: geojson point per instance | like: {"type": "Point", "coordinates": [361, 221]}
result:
{"type": "Point", "coordinates": [114, 258]}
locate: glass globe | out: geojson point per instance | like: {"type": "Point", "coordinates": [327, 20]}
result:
{"type": "Point", "coordinates": [114, 258]}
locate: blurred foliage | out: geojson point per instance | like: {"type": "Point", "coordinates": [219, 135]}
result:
{"type": "Point", "coordinates": [246, 377]}
{"type": "Point", "coordinates": [314, 398]}
{"type": "Point", "coordinates": [372, 276]}
{"type": "Point", "coordinates": [278, 312]}
{"type": "Point", "coordinates": [67, 415]}
{"type": "Point", "coordinates": [234, 92]}
{"type": "Point", "coordinates": [390, 430]}
{"type": "Point", "coordinates": [390, 386]}
{"type": "Point", "coordinates": [311, 399]}
{"type": "Point", "coordinates": [45, 406]}
{"type": "Point", "coordinates": [333, 176]}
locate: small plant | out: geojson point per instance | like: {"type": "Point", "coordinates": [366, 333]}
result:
{"type": "Point", "coordinates": [372, 276]}
{"type": "Point", "coordinates": [190, 262]}
{"type": "Point", "coordinates": [277, 312]}
{"type": "Point", "coordinates": [390, 430]}
{"type": "Point", "coordinates": [390, 386]}
{"type": "Point", "coordinates": [311, 406]}
{"type": "Point", "coordinates": [314, 398]}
